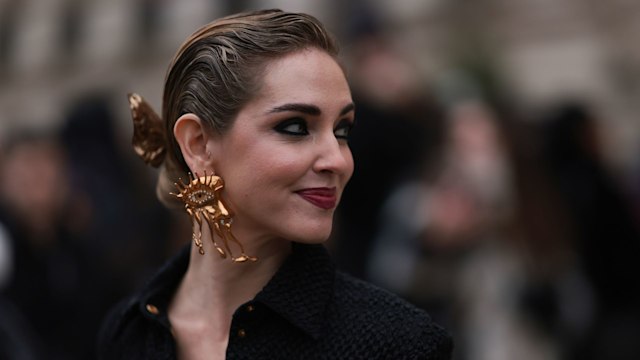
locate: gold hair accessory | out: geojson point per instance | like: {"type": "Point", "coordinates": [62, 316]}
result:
{"type": "Point", "coordinates": [202, 199]}
{"type": "Point", "coordinates": [148, 131]}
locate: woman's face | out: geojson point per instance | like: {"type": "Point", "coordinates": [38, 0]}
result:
{"type": "Point", "coordinates": [285, 160]}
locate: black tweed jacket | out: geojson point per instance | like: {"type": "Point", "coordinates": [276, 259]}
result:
{"type": "Point", "coordinates": [308, 310]}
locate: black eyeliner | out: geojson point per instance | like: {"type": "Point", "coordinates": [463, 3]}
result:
{"type": "Point", "coordinates": [344, 123]}
{"type": "Point", "coordinates": [282, 126]}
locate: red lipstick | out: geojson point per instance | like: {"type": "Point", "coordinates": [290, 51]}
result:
{"type": "Point", "coordinates": [324, 198]}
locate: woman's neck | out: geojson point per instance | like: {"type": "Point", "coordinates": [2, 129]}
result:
{"type": "Point", "coordinates": [213, 288]}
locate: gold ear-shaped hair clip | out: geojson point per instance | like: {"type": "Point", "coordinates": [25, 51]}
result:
{"type": "Point", "coordinates": [202, 198]}
{"type": "Point", "coordinates": [149, 140]}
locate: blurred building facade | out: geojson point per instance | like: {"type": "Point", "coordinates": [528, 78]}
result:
{"type": "Point", "coordinates": [53, 51]}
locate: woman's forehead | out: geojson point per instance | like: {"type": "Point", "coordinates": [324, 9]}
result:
{"type": "Point", "coordinates": [304, 75]}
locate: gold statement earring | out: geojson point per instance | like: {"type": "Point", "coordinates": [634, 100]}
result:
{"type": "Point", "coordinates": [202, 198]}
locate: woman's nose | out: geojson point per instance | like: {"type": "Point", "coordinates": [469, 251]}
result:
{"type": "Point", "coordinates": [334, 156]}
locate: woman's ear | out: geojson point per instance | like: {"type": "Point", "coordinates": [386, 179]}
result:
{"type": "Point", "coordinates": [193, 138]}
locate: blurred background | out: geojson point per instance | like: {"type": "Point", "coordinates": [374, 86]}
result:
{"type": "Point", "coordinates": [497, 179]}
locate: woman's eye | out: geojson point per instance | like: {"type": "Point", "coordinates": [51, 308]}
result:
{"type": "Point", "coordinates": [297, 127]}
{"type": "Point", "coordinates": [343, 129]}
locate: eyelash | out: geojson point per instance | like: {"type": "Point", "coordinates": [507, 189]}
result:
{"type": "Point", "coordinates": [302, 130]}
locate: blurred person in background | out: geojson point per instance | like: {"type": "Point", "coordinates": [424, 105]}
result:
{"type": "Point", "coordinates": [76, 248]}
{"type": "Point", "coordinates": [485, 243]}
{"type": "Point", "coordinates": [606, 233]}
{"type": "Point", "coordinates": [47, 282]}
{"type": "Point", "coordinates": [118, 220]}
{"type": "Point", "coordinates": [445, 245]}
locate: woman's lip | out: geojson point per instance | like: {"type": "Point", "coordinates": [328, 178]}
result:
{"type": "Point", "coordinates": [324, 198]}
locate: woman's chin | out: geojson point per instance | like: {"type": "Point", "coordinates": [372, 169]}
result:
{"type": "Point", "coordinates": [316, 236]}
{"type": "Point", "coordinates": [306, 230]}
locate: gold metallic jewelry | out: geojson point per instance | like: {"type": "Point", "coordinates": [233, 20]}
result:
{"type": "Point", "coordinates": [148, 131]}
{"type": "Point", "coordinates": [202, 198]}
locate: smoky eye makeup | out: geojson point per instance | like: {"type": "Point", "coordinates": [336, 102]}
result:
{"type": "Point", "coordinates": [294, 127]}
{"type": "Point", "coordinates": [343, 129]}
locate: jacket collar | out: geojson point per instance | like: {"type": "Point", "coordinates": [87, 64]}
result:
{"type": "Point", "coordinates": [302, 288]}
{"type": "Point", "coordinates": [300, 291]}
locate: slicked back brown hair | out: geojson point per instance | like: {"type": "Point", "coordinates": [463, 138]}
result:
{"type": "Point", "coordinates": [218, 69]}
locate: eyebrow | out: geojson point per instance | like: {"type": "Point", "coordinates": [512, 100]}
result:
{"type": "Point", "coordinates": [308, 109]}
{"type": "Point", "coordinates": [345, 110]}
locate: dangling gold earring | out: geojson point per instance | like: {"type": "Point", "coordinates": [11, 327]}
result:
{"type": "Point", "coordinates": [202, 198]}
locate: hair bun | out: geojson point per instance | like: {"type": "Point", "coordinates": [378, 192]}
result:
{"type": "Point", "coordinates": [149, 140]}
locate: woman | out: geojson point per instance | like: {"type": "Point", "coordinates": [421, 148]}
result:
{"type": "Point", "coordinates": [257, 113]}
